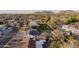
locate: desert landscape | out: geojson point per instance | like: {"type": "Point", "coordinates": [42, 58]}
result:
{"type": "Point", "coordinates": [39, 29]}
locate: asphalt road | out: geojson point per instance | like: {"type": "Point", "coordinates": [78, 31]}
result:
{"type": "Point", "coordinates": [6, 38]}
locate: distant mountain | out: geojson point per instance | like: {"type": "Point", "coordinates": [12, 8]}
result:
{"type": "Point", "coordinates": [44, 12]}
{"type": "Point", "coordinates": [67, 11]}
{"type": "Point", "coordinates": [16, 11]}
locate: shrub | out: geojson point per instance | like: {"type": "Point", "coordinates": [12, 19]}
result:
{"type": "Point", "coordinates": [55, 44]}
{"type": "Point", "coordinates": [1, 22]}
{"type": "Point", "coordinates": [73, 19]}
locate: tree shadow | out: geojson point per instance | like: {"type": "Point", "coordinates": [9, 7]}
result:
{"type": "Point", "coordinates": [32, 44]}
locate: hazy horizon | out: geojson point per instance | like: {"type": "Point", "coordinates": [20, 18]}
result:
{"type": "Point", "coordinates": [26, 11]}
{"type": "Point", "coordinates": [23, 11]}
{"type": "Point", "coordinates": [16, 11]}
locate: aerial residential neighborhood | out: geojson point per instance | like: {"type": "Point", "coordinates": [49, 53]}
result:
{"type": "Point", "coordinates": [39, 29]}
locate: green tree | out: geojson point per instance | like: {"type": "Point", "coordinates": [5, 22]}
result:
{"type": "Point", "coordinates": [43, 27]}
{"type": "Point", "coordinates": [73, 19]}
{"type": "Point", "coordinates": [1, 22]}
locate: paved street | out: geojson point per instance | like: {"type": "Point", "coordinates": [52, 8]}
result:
{"type": "Point", "coordinates": [5, 38]}
{"type": "Point", "coordinates": [20, 40]}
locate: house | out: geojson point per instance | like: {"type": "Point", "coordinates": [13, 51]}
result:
{"type": "Point", "coordinates": [33, 23]}
{"type": "Point", "coordinates": [12, 22]}
{"type": "Point", "coordinates": [39, 43]}
{"type": "Point", "coordinates": [33, 32]}
{"type": "Point", "coordinates": [65, 28]}
{"type": "Point", "coordinates": [42, 36]}
{"type": "Point", "coordinates": [70, 29]}
{"type": "Point", "coordinates": [75, 32]}
{"type": "Point", "coordinates": [6, 30]}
